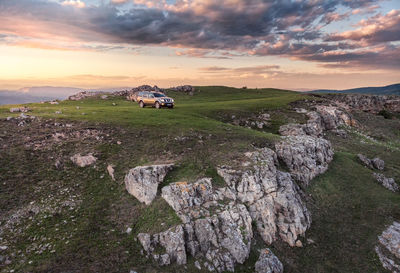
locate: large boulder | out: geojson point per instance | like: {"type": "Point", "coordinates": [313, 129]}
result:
{"type": "Point", "coordinates": [305, 156]}
{"type": "Point", "coordinates": [142, 181]}
{"type": "Point", "coordinates": [388, 248]}
{"type": "Point", "coordinates": [369, 103]}
{"type": "Point", "coordinates": [268, 263]}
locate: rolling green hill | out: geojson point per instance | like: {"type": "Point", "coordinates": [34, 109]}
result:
{"type": "Point", "coordinates": [71, 219]}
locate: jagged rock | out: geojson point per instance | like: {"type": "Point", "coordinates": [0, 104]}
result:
{"type": "Point", "coordinates": [323, 118]}
{"type": "Point", "coordinates": [305, 156]}
{"type": "Point", "coordinates": [190, 200]}
{"type": "Point", "coordinates": [369, 103]}
{"type": "Point", "coordinates": [388, 183]}
{"type": "Point", "coordinates": [273, 199]}
{"type": "Point", "coordinates": [185, 89]}
{"type": "Point", "coordinates": [223, 239]}
{"type": "Point", "coordinates": [20, 109]}
{"type": "Point", "coordinates": [172, 241]}
{"type": "Point", "coordinates": [388, 248]}
{"type": "Point", "coordinates": [268, 263]}
{"type": "Point", "coordinates": [142, 181]}
{"type": "Point", "coordinates": [83, 161]}
{"type": "Point", "coordinates": [86, 94]}
{"type": "Point", "coordinates": [375, 163]}
{"type": "Point", "coordinates": [292, 129]}
{"type": "Point", "coordinates": [110, 170]}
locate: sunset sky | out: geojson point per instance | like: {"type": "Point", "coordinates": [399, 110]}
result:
{"type": "Point", "coordinates": [290, 44]}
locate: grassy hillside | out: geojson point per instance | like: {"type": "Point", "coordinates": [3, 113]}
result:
{"type": "Point", "coordinates": [88, 232]}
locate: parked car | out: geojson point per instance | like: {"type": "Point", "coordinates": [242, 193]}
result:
{"type": "Point", "coordinates": [155, 99]}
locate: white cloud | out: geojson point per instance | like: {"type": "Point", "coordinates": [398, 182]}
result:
{"type": "Point", "coordinates": [74, 3]}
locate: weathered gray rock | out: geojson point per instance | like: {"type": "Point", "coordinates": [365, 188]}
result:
{"type": "Point", "coordinates": [273, 199]}
{"type": "Point", "coordinates": [190, 200]}
{"type": "Point", "coordinates": [388, 248]}
{"type": "Point", "coordinates": [305, 156]}
{"type": "Point", "coordinates": [369, 103]}
{"type": "Point", "coordinates": [172, 241]}
{"type": "Point", "coordinates": [268, 262]}
{"type": "Point", "coordinates": [223, 239]}
{"type": "Point", "coordinates": [83, 161]}
{"type": "Point", "coordinates": [375, 163]}
{"type": "Point", "coordinates": [378, 163]}
{"type": "Point", "coordinates": [292, 129]}
{"type": "Point", "coordinates": [142, 181]}
{"type": "Point", "coordinates": [388, 183]}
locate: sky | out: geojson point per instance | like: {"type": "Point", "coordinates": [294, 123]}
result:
{"type": "Point", "coordinates": [288, 44]}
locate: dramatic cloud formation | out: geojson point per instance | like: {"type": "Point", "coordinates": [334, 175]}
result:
{"type": "Point", "coordinates": [303, 30]}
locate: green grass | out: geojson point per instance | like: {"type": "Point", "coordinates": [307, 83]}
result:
{"type": "Point", "coordinates": [349, 209]}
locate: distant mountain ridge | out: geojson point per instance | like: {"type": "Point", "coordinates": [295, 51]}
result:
{"type": "Point", "coordinates": [393, 89]}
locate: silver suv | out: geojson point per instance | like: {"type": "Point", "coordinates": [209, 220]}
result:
{"type": "Point", "coordinates": [155, 99]}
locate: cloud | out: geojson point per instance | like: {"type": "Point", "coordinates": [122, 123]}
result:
{"type": "Point", "coordinates": [74, 3]}
{"type": "Point", "coordinates": [209, 29]}
{"type": "Point", "coordinates": [379, 28]}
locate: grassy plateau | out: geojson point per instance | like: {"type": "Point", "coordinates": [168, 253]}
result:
{"type": "Point", "coordinates": [71, 219]}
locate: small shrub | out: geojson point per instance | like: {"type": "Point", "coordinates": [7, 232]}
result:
{"type": "Point", "coordinates": [386, 114]}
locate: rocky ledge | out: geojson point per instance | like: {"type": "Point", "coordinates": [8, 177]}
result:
{"type": "Point", "coordinates": [388, 248]}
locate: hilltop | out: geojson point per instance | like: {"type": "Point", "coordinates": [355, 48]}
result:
{"type": "Point", "coordinates": [393, 89]}
{"type": "Point", "coordinates": [323, 208]}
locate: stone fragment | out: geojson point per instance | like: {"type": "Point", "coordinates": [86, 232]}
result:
{"type": "Point", "coordinates": [142, 181]}
{"type": "Point", "coordinates": [268, 263]}
{"type": "Point", "coordinates": [83, 161]}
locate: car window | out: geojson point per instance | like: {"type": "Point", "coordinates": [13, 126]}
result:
{"type": "Point", "coordinates": [151, 96]}
{"type": "Point", "coordinates": [157, 95]}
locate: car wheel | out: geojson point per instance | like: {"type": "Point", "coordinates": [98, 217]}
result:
{"type": "Point", "coordinates": [158, 106]}
{"type": "Point", "coordinates": [141, 104]}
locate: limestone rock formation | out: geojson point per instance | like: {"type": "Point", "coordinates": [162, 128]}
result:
{"type": "Point", "coordinates": [305, 156]}
{"type": "Point", "coordinates": [322, 119]}
{"type": "Point", "coordinates": [142, 181]}
{"type": "Point", "coordinates": [388, 248]}
{"type": "Point", "coordinates": [85, 94]}
{"type": "Point", "coordinates": [223, 240]}
{"type": "Point", "coordinates": [388, 183]}
{"type": "Point", "coordinates": [273, 199]}
{"type": "Point", "coordinates": [172, 241]}
{"type": "Point", "coordinates": [83, 161]}
{"type": "Point", "coordinates": [369, 103]}
{"type": "Point", "coordinates": [268, 263]}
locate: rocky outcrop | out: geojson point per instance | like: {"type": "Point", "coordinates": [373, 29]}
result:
{"type": "Point", "coordinates": [223, 240]}
{"type": "Point", "coordinates": [142, 181]}
{"type": "Point", "coordinates": [305, 156]}
{"type": "Point", "coordinates": [187, 89]}
{"type": "Point", "coordinates": [132, 94]}
{"type": "Point", "coordinates": [83, 160]}
{"type": "Point", "coordinates": [388, 248]}
{"type": "Point", "coordinates": [85, 94]}
{"type": "Point", "coordinates": [258, 121]}
{"type": "Point", "coordinates": [20, 109]}
{"type": "Point", "coordinates": [268, 263]}
{"type": "Point", "coordinates": [324, 118]}
{"type": "Point", "coordinates": [273, 199]}
{"type": "Point", "coordinates": [172, 243]}
{"type": "Point", "coordinates": [368, 103]}
{"type": "Point", "coordinates": [375, 163]}
{"type": "Point", "coordinates": [388, 183]}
